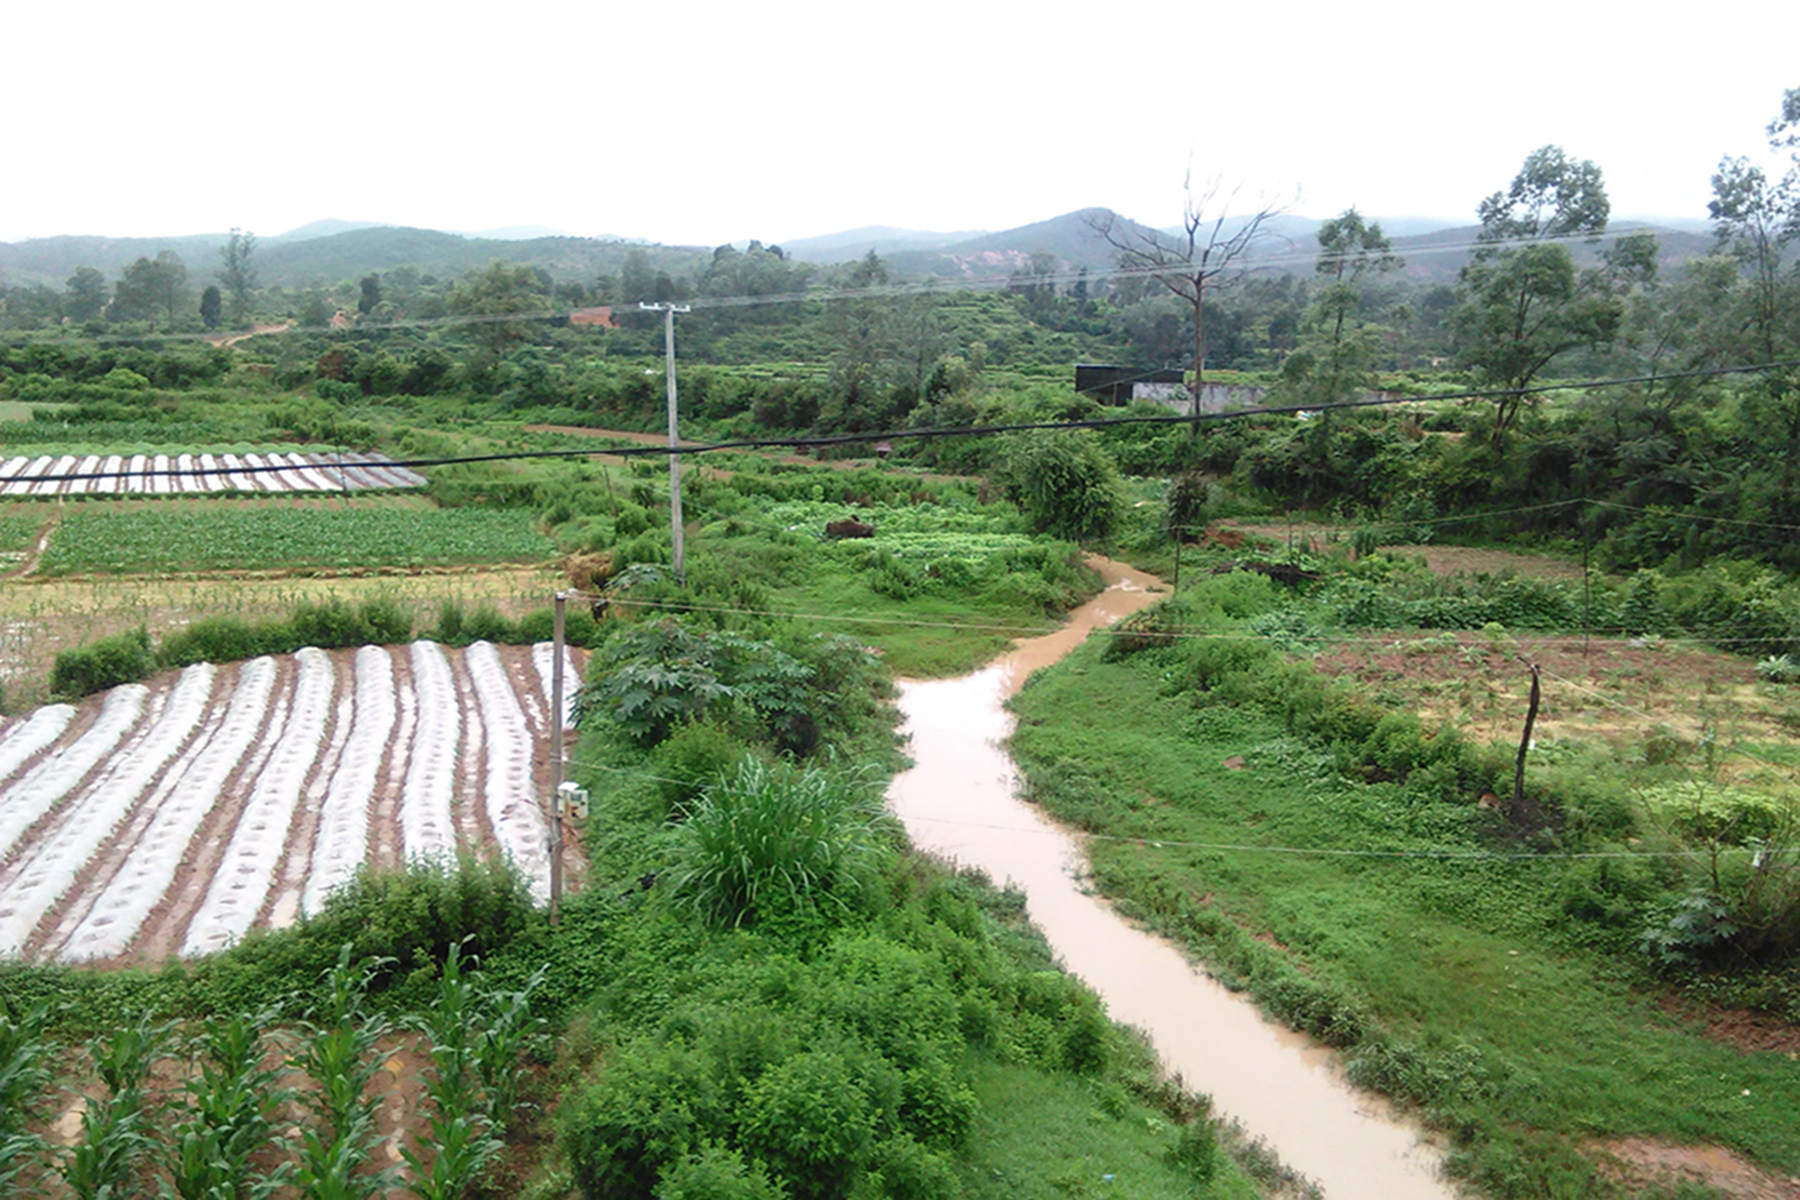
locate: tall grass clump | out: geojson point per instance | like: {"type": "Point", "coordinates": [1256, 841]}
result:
{"type": "Point", "coordinates": [768, 840]}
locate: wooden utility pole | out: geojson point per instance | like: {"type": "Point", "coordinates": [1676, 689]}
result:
{"type": "Point", "coordinates": [675, 531]}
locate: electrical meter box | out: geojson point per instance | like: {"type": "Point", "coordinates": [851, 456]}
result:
{"type": "Point", "coordinates": [574, 799]}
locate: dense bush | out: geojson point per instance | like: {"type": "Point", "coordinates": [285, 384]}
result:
{"type": "Point", "coordinates": [1065, 484]}
{"type": "Point", "coordinates": [122, 658]}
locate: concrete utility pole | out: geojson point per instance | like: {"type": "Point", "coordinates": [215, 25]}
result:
{"type": "Point", "coordinates": [676, 556]}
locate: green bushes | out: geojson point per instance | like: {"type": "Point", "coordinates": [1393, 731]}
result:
{"type": "Point", "coordinates": [328, 624]}
{"type": "Point", "coordinates": [648, 679]}
{"type": "Point", "coordinates": [122, 658]}
{"type": "Point", "coordinates": [839, 1070]}
{"type": "Point", "coordinates": [1066, 484]}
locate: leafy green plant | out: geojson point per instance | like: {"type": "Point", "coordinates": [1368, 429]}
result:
{"type": "Point", "coordinates": [462, 1137]}
{"type": "Point", "coordinates": [24, 1078]}
{"type": "Point", "coordinates": [1778, 668]}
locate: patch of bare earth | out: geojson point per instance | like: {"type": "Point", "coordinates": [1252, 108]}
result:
{"type": "Point", "coordinates": [1609, 688]}
{"type": "Point", "coordinates": [1442, 560]}
{"type": "Point", "coordinates": [1645, 1163]}
{"type": "Point", "coordinates": [1739, 1027]}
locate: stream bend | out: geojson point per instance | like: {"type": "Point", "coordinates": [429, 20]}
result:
{"type": "Point", "coordinates": [959, 802]}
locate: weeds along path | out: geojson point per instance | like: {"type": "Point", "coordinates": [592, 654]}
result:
{"type": "Point", "coordinates": [959, 802]}
{"type": "Point", "coordinates": [174, 817]}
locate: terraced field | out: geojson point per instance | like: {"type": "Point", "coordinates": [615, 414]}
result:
{"type": "Point", "coordinates": [172, 818]}
{"type": "Point", "coordinates": [49, 475]}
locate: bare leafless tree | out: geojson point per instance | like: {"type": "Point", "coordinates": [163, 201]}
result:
{"type": "Point", "coordinates": [1189, 263]}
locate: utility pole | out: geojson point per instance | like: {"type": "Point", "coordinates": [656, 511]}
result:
{"type": "Point", "coordinates": [668, 312]}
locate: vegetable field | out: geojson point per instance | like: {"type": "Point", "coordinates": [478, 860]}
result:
{"type": "Point", "coordinates": [253, 537]}
{"type": "Point", "coordinates": [176, 474]}
{"type": "Point", "coordinates": [173, 818]}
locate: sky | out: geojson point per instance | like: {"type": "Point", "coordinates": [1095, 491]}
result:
{"type": "Point", "coordinates": [701, 123]}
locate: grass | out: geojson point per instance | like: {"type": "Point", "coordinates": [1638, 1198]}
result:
{"type": "Point", "coordinates": [1060, 1137]}
{"type": "Point", "coordinates": [147, 540]}
{"type": "Point", "coordinates": [1453, 984]}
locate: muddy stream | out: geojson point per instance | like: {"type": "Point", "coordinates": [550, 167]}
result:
{"type": "Point", "coordinates": [958, 802]}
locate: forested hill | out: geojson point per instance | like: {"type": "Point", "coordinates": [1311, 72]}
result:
{"type": "Point", "coordinates": [328, 252]}
{"type": "Point", "coordinates": [288, 261]}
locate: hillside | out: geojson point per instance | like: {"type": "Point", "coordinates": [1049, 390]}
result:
{"type": "Point", "coordinates": [332, 251]}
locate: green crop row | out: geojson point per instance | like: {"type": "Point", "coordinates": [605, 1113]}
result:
{"type": "Point", "coordinates": [287, 537]}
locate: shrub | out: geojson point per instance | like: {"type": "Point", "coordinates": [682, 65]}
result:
{"type": "Point", "coordinates": [692, 759]}
{"type": "Point", "coordinates": [812, 1117]}
{"type": "Point", "coordinates": [649, 1110]}
{"type": "Point", "coordinates": [715, 1172]}
{"type": "Point", "coordinates": [336, 623]}
{"type": "Point", "coordinates": [1196, 1150]}
{"type": "Point", "coordinates": [222, 639]}
{"type": "Point", "coordinates": [902, 1169]}
{"type": "Point", "coordinates": [1065, 483]}
{"type": "Point", "coordinates": [122, 658]}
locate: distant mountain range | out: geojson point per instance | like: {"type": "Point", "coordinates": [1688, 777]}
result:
{"type": "Point", "coordinates": [330, 251]}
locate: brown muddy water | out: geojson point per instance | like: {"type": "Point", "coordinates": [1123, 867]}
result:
{"type": "Point", "coordinates": [959, 803]}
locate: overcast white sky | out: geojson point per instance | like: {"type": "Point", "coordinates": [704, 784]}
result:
{"type": "Point", "coordinates": [705, 123]}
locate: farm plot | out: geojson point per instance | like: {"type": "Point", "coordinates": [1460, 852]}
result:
{"type": "Point", "coordinates": [173, 818]}
{"type": "Point", "coordinates": [46, 475]}
{"type": "Point", "coordinates": [255, 536]}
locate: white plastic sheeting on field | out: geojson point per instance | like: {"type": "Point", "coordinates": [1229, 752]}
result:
{"type": "Point", "coordinates": [175, 816]}
{"type": "Point", "coordinates": [26, 476]}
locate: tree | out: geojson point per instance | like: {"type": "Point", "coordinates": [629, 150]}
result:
{"type": "Point", "coordinates": [86, 295]}
{"type": "Point", "coordinates": [500, 299]}
{"type": "Point", "coordinates": [862, 334]}
{"type": "Point", "coordinates": [238, 274]}
{"type": "Point", "coordinates": [1755, 219]}
{"type": "Point", "coordinates": [1186, 265]}
{"type": "Point", "coordinates": [149, 286]}
{"type": "Point", "coordinates": [1337, 353]}
{"type": "Point", "coordinates": [371, 294]}
{"type": "Point", "coordinates": [211, 305]}
{"type": "Point", "coordinates": [1520, 301]}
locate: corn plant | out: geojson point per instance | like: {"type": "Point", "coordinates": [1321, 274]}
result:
{"type": "Point", "coordinates": [230, 1116]}
{"type": "Point", "coordinates": [462, 1134]}
{"type": "Point", "coordinates": [23, 1078]}
{"type": "Point", "coordinates": [340, 1056]}
{"type": "Point", "coordinates": [509, 1032]}
{"type": "Point", "coordinates": [116, 1131]}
